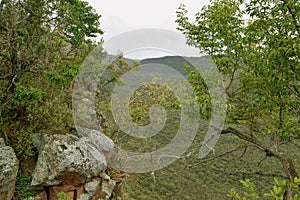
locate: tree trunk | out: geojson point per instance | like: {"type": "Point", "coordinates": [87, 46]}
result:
{"type": "Point", "coordinates": [290, 170]}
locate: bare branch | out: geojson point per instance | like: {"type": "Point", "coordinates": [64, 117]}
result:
{"type": "Point", "coordinates": [286, 162]}
{"type": "Point", "coordinates": [247, 138]}
{"type": "Point", "coordinates": [217, 156]}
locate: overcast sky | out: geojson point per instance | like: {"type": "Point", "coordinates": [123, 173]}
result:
{"type": "Point", "coordinates": [119, 16]}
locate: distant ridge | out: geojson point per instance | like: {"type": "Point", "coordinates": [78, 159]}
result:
{"type": "Point", "coordinates": [175, 62]}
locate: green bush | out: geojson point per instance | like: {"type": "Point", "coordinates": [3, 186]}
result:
{"type": "Point", "coordinates": [276, 193]}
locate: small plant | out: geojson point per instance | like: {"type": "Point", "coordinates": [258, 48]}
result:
{"type": "Point", "coordinates": [23, 187]}
{"type": "Point", "coordinates": [250, 191]}
{"type": "Point", "coordinates": [276, 193]}
{"type": "Point", "coordinates": [63, 196]}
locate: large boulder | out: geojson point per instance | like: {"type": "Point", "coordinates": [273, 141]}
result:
{"type": "Point", "coordinates": [9, 166]}
{"type": "Point", "coordinates": [100, 141]}
{"type": "Point", "coordinates": [66, 159]}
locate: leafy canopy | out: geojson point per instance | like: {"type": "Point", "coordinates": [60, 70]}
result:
{"type": "Point", "coordinates": [256, 46]}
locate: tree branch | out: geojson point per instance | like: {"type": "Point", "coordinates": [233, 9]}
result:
{"type": "Point", "coordinates": [286, 162]}
{"type": "Point", "coordinates": [218, 156]}
{"type": "Point", "coordinates": [293, 15]}
{"type": "Point", "coordinates": [246, 137]}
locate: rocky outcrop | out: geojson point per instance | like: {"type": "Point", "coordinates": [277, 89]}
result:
{"type": "Point", "coordinates": [9, 166]}
{"type": "Point", "coordinates": [66, 158]}
{"type": "Point", "coordinates": [96, 189]}
{"type": "Point", "coordinates": [74, 166]}
{"type": "Point", "coordinates": [101, 141]}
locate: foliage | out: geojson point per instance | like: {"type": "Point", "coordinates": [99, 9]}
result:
{"type": "Point", "coordinates": [276, 193]}
{"type": "Point", "coordinates": [154, 94]}
{"type": "Point", "coordinates": [184, 67]}
{"type": "Point", "coordinates": [63, 196]}
{"type": "Point", "coordinates": [117, 67]}
{"type": "Point", "coordinates": [259, 57]}
{"type": "Point", "coordinates": [23, 187]}
{"type": "Point", "coordinates": [43, 44]}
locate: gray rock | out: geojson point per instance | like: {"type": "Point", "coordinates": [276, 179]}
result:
{"type": "Point", "coordinates": [100, 141]}
{"type": "Point", "coordinates": [62, 156]}
{"type": "Point", "coordinates": [108, 188]}
{"type": "Point", "coordinates": [84, 111]}
{"type": "Point", "coordinates": [104, 176]}
{"type": "Point", "coordinates": [2, 143]}
{"type": "Point", "coordinates": [39, 141]}
{"type": "Point", "coordinates": [84, 197]}
{"type": "Point", "coordinates": [92, 186]}
{"type": "Point", "coordinates": [9, 166]}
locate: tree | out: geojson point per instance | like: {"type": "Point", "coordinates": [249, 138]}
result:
{"type": "Point", "coordinates": [42, 44]}
{"type": "Point", "coordinates": [256, 46]}
{"type": "Point", "coordinates": [140, 102]}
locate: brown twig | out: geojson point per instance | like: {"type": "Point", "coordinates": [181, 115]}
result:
{"type": "Point", "coordinates": [218, 156]}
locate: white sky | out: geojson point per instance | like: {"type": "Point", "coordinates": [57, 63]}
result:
{"type": "Point", "coordinates": [119, 16]}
